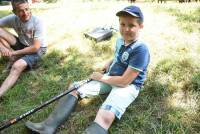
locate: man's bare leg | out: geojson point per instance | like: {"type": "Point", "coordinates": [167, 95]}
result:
{"type": "Point", "coordinates": [8, 37]}
{"type": "Point", "coordinates": [13, 76]}
{"type": "Point", "coordinates": [5, 49]}
{"type": "Point", "coordinates": [6, 41]}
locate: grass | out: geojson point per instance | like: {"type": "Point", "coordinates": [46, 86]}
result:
{"type": "Point", "coordinates": [188, 18]}
{"type": "Point", "coordinates": [169, 101]}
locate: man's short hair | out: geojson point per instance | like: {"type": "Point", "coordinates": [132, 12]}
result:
{"type": "Point", "coordinates": [17, 2]}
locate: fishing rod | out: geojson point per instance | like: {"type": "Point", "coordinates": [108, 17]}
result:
{"type": "Point", "coordinates": [15, 120]}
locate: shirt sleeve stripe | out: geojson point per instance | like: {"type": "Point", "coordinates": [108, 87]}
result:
{"type": "Point", "coordinates": [135, 68]}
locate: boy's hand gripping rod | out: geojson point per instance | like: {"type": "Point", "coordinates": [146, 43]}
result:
{"type": "Point", "coordinates": [15, 120]}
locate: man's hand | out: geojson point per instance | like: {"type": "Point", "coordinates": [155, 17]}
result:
{"type": "Point", "coordinates": [96, 76]}
{"type": "Point", "coordinates": [5, 52]}
{"type": "Point", "coordinates": [14, 53]}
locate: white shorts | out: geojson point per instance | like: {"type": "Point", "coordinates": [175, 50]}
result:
{"type": "Point", "coordinates": [118, 99]}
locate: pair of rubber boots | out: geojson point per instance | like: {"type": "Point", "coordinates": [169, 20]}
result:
{"type": "Point", "coordinates": [59, 115]}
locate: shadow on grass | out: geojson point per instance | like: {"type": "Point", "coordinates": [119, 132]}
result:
{"type": "Point", "coordinates": [57, 70]}
{"type": "Point", "coordinates": [152, 112]}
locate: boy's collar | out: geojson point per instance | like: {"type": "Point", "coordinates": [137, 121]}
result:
{"type": "Point", "coordinates": [129, 44]}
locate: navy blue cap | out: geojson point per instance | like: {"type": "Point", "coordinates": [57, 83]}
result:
{"type": "Point", "coordinates": [133, 11]}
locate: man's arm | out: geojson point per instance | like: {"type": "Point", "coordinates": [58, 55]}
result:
{"type": "Point", "coordinates": [121, 81]}
{"type": "Point", "coordinates": [29, 50]}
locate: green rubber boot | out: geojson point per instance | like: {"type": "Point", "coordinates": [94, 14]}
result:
{"type": "Point", "coordinates": [56, 118]}
{"type": "Point", "coordinates": [95, 128]}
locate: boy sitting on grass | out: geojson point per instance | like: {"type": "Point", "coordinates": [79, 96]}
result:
{"type": "Point", "coordinates": [125, 77]}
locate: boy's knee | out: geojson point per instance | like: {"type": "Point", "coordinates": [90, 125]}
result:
{"type": "Point", "coordinates": [108, 118]}
{"type": "Point", "coordinates": [75, 94]}
{"type": "Point", "coordinates": [105, 116]}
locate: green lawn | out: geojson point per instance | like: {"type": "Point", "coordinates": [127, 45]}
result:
{"type": "Point", "coordinates": [169, 102]}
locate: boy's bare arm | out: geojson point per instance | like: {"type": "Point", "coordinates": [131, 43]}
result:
{"type": "Point", "coordinates": [121, 81]}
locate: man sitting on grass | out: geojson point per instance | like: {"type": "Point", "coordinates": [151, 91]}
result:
{"type": "Point", "coordinates": [125, 77]}
{"type": "Point", "coordinates": [23, 50]}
